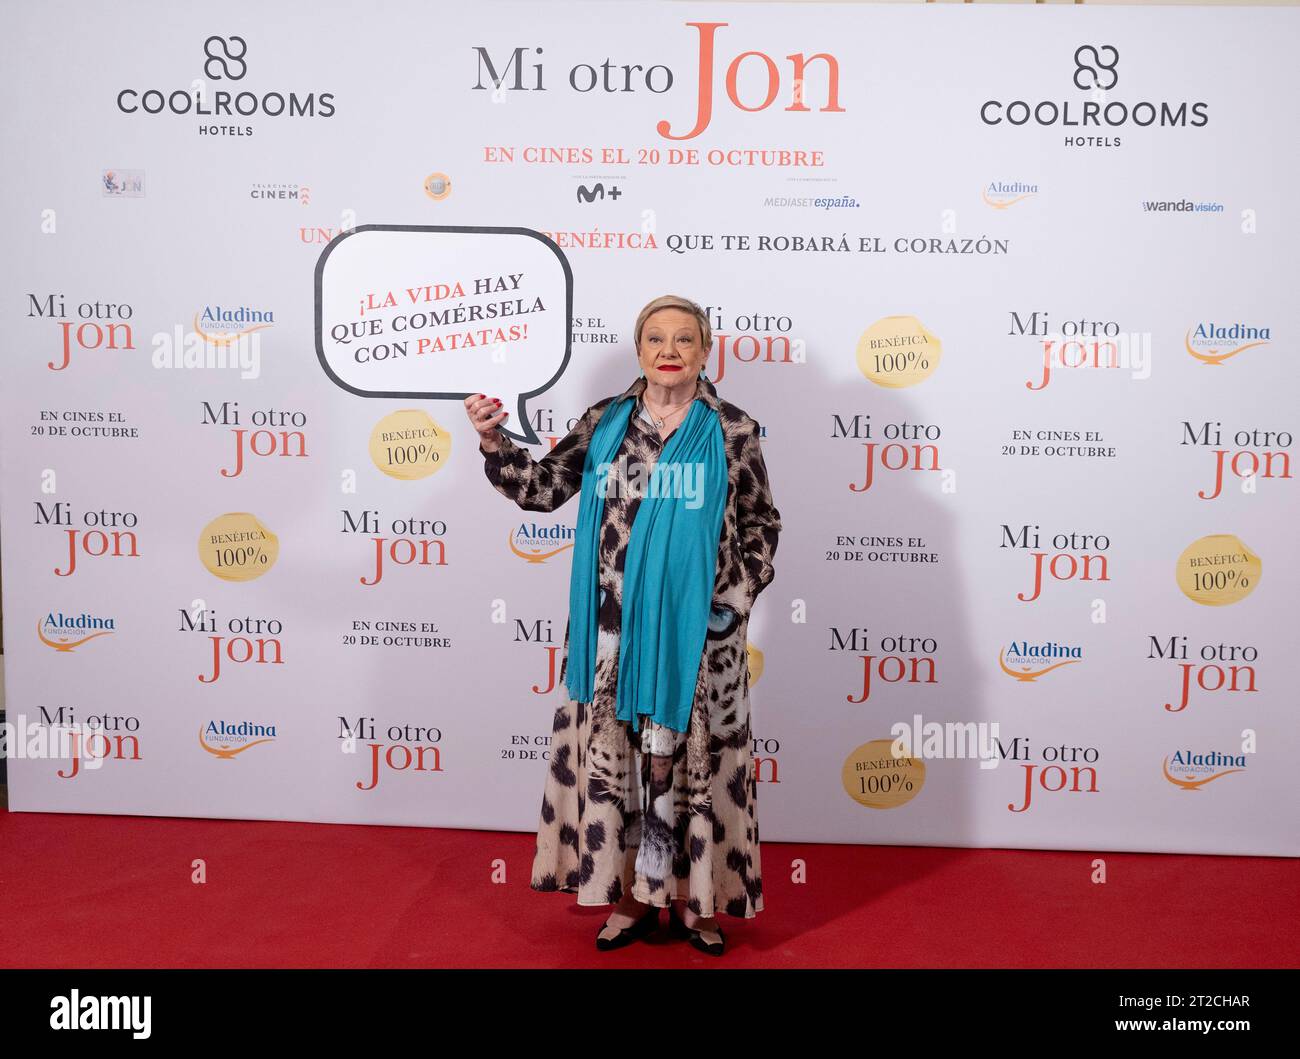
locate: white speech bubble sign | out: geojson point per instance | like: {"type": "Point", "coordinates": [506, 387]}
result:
{"type": "Point", "coordinates": [440, 313]}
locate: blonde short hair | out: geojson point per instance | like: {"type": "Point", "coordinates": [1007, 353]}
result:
{"type": "Point", "coordinates": [673, 301]}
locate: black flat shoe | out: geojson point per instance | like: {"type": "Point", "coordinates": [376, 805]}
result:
{"type": "Point", "coordinates": [677, 928]}
{"type": "Point", "coordinates": [647, 924]}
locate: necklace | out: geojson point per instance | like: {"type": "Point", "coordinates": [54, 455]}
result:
{"type": "Point", "coordinates": [659, 423]}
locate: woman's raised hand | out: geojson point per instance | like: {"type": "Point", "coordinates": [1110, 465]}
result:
{"type": "Point", "coordinates": [483, 414]}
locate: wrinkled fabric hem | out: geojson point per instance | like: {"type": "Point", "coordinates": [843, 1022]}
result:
{"type": "Point", "coordinates": [753, 909]}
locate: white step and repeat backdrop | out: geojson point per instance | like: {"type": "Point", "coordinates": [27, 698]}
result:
{"type": "Point", "coordinates": [1011, 292]}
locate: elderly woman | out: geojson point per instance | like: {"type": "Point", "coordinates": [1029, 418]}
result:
{"type": "Point", "coordinates": [650, 796]}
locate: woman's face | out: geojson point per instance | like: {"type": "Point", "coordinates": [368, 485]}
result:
{"type": "Point", "coordinates": [671, 349]}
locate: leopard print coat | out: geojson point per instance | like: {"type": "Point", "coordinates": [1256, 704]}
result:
{"type": "Point", "coordinates": [607, 823]}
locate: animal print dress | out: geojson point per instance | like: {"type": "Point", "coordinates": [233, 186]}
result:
{"type": "Point", "coordinates": [669, 815]}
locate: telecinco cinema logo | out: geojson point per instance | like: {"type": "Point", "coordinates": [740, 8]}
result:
{"type": "Point", "coordinates": [1096, 71]}
{"type": "Point", "coordinates": [225, 60]}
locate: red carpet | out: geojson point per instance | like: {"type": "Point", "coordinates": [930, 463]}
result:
{"type": "Point", "coordinates": [112, 891]}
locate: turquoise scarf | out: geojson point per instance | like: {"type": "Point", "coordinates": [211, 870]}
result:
{"type": "Point", "coordinates": [668, 573]}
